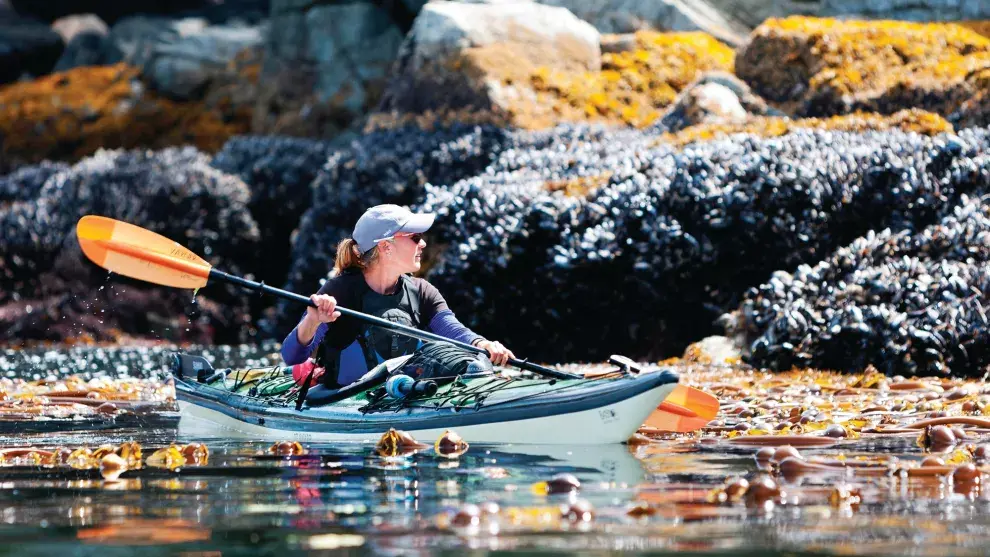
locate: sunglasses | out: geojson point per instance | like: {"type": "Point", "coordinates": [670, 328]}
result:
{"type": "Point", "coordinates": [416, 237]}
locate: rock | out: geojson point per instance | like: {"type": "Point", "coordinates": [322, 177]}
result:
{"type": "Point", "coordinates": [70, 115]}
{"type": "Point", "coordinates": [717, 98]}
{"type": "Point", "coordinates": [932, 10]}
{"type": "Point", "coordinates": [132, 39]}
{"type": "Point", "coordinates": [85, 49]}
{"type": "Point", "coordinates": [27, 48]}
{"type": "Point", "coordinates": [479, 57]}
{"type": "Point", "coordinates": [179, 58]}
{"type": "Point", "coordinates": [181, 69]}
{"type": "Point", "coordinates": [70, 26]}
{"type": "Point", "coordinates": [87, 42]}
{"type": "Point", "coordinates": [49, 291]}
{"type": "Point", "coordinates": [845, 66]}
{"type": "Point", "coordinates": [627, 16]}
{"type": "Point", "coordinates": [24, 183]}
{"type": "Point", "coordinates": [326, 60]}
{"type": "Point", "coordinates": [714, 350]}
{"type": "Point", "coordinates": [507, 84]}
{"type": "Point", "coordinates": [752, 13]}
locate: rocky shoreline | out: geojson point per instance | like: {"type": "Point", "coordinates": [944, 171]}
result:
{"type": "Point", "coordinates": [818, 192]}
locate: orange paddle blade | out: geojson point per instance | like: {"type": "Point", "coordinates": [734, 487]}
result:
{"type": "Point", "coordinates": [142, 254]}
{"type": "Point", "coordinates": [685, 409]}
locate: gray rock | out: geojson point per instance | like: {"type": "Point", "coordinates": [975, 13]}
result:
{"type": "Point", "coordinates": [434, 73]}
{"type": "Point", "coordinates": [627, 16]}
{"type": "Point", "coordinates": [70, 26]}
{"type": "Point", "coordinates": [85, 49]}
{"type": "Point", "coordinates": [714, 350]}
{"type": "Point", "coordinates": [336, 53]}
{"type": "Point", "coordinates": [443, 29]}
{"type": "Point", "coordinates": [354, 46]}
{"type": "Point", "coordinates": [753, 12]}
{"type": "Point", "coordinates": [133, 39]}
{"type": "Point", "coordinates": [714, 98]}
{"type": "Point", "coordinates": [183, 67]}
{"type": "Point", "coordinates": [179, 57]}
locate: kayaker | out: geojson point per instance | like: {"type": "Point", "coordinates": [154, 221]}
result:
{"type": "Point", "coordinates": [372, 274]}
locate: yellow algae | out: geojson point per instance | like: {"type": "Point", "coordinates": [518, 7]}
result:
{"type": "Point", "coordinates": [825, 66]}
{"type": "Point", "coordinates": [912, 120]}
{"type": "Point", "coordinates": [634, 86]}
{"type": "Point", "coordinates": [72, 114]}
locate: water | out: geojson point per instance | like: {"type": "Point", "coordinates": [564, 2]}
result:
{"type": "Point", "coordinates": [651, 498]}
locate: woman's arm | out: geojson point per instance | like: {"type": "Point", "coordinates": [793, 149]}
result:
{"type": "Point", "coordinates": [294, 351]}
{"type": "Point", "coordinates": [309, 332]}
{"type": "Point", "coordinates": [446, 324]}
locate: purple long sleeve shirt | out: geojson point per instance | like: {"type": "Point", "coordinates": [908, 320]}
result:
{"type": "Point", "coordinates": [444, 323]}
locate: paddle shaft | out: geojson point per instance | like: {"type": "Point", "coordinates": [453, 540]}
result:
{"type": "Point", "coordinates": [386, 324]}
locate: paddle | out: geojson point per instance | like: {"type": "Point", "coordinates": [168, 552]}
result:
{"type": "Point", "coordinates": [685, 408]}
{"type": "Point", "coordinates": [138, 253]}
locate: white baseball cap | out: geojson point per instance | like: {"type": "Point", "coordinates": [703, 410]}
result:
{"type": "Point", "coordinates": [382, 222]}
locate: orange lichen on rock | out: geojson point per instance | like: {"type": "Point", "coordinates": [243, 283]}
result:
{"type": "Point", "coordinates": [816, 66]}
{"type": "Point", "coordinates": [634, 85]}
{"type": "Point", "coordinates": [523, 89]}
{"type": "Point", "coordinates": [72, 114]}
{"type": "Point", "coordinates": [912, 120]}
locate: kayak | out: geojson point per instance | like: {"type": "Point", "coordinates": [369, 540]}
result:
{"type": "Point", "coordinates": [496, 408]}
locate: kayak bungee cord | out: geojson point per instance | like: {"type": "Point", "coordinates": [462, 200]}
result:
{"type": "Point", "coordinates": [480, 393]}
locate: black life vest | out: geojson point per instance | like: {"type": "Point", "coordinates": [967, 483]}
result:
{"type": "Point", "coordinates": [373, 345]}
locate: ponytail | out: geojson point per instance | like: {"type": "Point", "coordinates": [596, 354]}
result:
{"type": "Point", "coordinates": [349, 257]}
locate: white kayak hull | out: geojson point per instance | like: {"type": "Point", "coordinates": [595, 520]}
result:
{"type": "Point", "coordinates": [606, 424]}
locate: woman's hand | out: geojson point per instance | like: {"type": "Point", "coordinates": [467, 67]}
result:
{"type": "Point", "coordinates": [325, 310]}
{"type": "Point", "coordinates": [497, 353]}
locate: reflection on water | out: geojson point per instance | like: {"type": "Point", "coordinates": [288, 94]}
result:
{"type": "Point", "coordinates": [708, 492]}
{"type": "Point", "coordinates": [654, 497]}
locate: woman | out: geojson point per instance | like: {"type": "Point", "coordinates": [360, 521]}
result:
{"type": "Point", "coordinates": [371, 275]}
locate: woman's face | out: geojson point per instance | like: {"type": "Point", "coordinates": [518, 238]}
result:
{"type": "Point", "coordinates": [407, 252]}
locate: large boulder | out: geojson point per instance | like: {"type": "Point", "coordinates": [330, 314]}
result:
{"type": "Point", "coordinates": [182, 69]}
{"type": "Point", "coordinates": [836, 66]}
{"type": "Point", "coordinates": [478, 62]}
{"type": "Point", "coordinates": [628, 16]}
{"type": "Point", "coordinates": [86, 41]}
{"type": "Point", "coordinates": [70, 26]}
{"type": "Point", "coordinates": [480, 57]}
{"type": "Point", "coordinates": [179, 58]}
{"type": "Point", "coordinates": [326, 64]}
